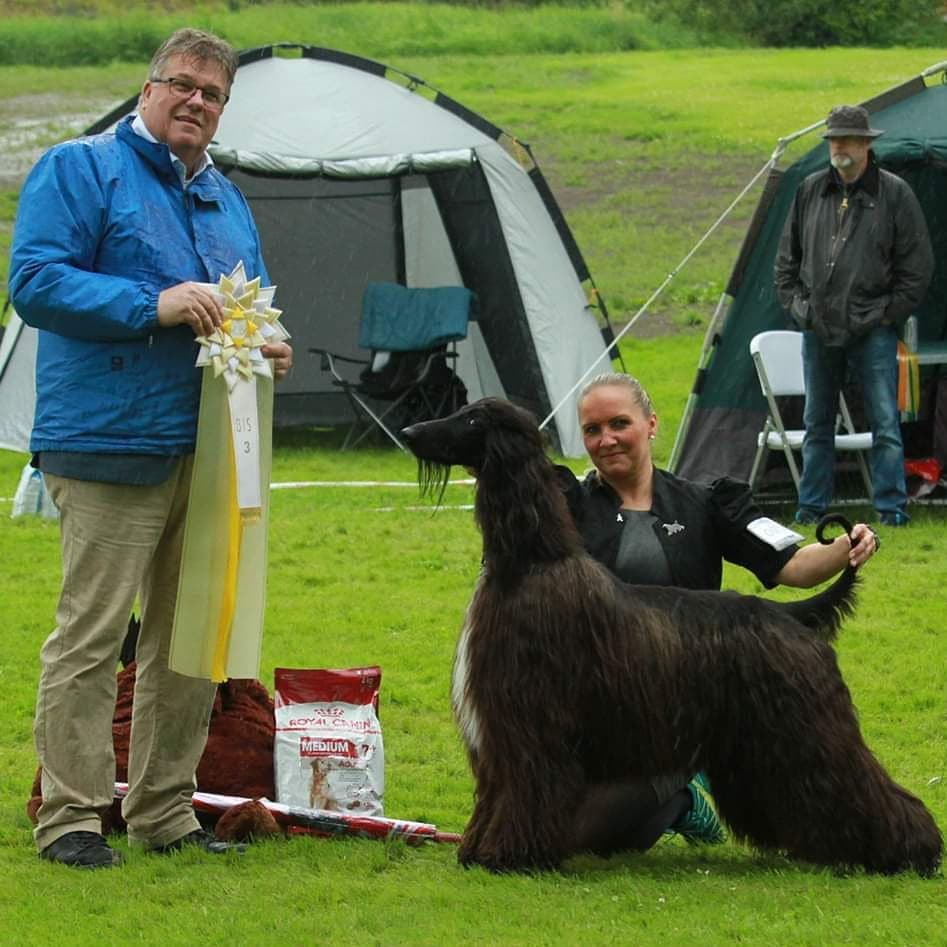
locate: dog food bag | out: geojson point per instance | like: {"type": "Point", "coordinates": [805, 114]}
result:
{"type": "Point", "coordinates": [328, 751]}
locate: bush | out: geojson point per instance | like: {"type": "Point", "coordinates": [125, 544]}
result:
{"type": "Point", "coordinates": [809, 22]}
{"type": "Point", "coordinates": [397, 28]}
{"type": "Point", "coordinates": [80, 42]}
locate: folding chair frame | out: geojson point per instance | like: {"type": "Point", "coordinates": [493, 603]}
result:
{"type": "Point", "coordinates": [365, 416]}
{"type": "Point", "coordinates": [790, 441]}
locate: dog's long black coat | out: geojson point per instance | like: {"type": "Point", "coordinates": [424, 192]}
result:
{"type": "Point", "coordinates": [568, 682]}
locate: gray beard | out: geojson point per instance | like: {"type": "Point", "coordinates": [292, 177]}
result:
{"type": "Point", "coordinates": [841, 162]}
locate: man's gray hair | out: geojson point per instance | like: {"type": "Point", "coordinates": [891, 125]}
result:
{"type": "Point", "coordinates": [196, 46]}
{"type": "Point", "coordinates": [620, 380]}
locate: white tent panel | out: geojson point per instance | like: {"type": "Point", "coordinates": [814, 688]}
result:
{"type": "Point", "coordinates": [331, 110]}
{"type": "Point", "coordinates": [429, 261]}
{"type": "Point", "coordinates": [476, 368]}
{"type": "Point", "coordinates": [17, 386]}
{"type": "Point", "coordinates": [564, 331]}
{"type": "Point", "coordinates": [428, 258]}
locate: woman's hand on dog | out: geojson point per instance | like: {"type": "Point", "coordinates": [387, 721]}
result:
{"type": "Point", "coordinates": [864, 544]}
{"type": "Point", "coordinates": [816, 563]}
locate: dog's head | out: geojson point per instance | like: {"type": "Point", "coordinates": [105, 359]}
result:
{"type": "Point", "coordinates": [488, 432]}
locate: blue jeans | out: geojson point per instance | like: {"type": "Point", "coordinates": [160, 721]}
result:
{"type": "Point", "coordinates": [873, 362]}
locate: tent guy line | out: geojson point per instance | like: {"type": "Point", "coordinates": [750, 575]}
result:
{"type": "Point", "coordinates": [612, 347]}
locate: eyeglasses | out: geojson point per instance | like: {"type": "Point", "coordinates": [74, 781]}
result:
{"type": "Point", "coordinates": [214, 101]}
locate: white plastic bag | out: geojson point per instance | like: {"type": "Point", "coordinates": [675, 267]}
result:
{"type": "Point", "coordinates": [31, 497]}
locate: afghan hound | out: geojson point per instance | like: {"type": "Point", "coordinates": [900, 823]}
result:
{"type": "Point", "coordinates": [568, 684]}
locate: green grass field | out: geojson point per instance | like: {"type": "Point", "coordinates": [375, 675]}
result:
{"type": "Point", "coordinates": [644, 149]}
{"type": "Point", "coordinates": [360, 576]}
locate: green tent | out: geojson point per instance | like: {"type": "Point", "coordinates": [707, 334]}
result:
{"type": "Point", "coordinates": [726, 409]}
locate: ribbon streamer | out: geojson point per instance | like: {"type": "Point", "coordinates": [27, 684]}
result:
{"type": "Point", "coordinates": [229, 604]}
{"type": "Point", "coordinates": [218, 621]}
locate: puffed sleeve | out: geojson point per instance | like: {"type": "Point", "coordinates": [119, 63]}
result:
{"type": "Point", "coordinates": [734, 510]}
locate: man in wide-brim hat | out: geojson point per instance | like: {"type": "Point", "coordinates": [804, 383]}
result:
{"type": "Point", "coordinates": [854, 261]}
{"type": "Point", "coordinates": [849, 135]}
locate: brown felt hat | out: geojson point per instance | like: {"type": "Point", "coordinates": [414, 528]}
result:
{"type": "Point", "coordinates": [849, 121]}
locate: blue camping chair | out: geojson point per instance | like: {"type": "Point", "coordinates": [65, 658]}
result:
{"type": "Point", "coordinates": [409, 376]}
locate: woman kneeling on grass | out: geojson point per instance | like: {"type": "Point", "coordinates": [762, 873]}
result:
{"type": "Point", "coordinates": [652, 528]}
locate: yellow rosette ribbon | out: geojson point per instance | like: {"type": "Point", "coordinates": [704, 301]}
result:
{"type": "Point", "coordinates": [218, 622]}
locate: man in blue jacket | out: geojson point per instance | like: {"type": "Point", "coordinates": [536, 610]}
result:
{"type": "Point", "coordinates": [114, 236]}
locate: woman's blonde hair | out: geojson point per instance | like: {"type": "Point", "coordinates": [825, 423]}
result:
{"type": "Point", "coordinates": [620, 380]}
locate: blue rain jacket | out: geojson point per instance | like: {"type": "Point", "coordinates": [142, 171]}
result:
{"type": "Point", "coordinates": [104, 225]}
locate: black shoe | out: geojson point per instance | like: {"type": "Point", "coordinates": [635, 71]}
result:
{"type": "Point", "coordinates": [202, 840]}
{"type": "Point", "coordinates": [82, 850]}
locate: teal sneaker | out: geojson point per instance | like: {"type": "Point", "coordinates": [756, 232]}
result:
{"type": "Point", "coordinates": [700, 825]}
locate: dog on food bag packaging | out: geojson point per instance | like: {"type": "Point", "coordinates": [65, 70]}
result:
{"type": "Point", "coordinates": [328, 751]}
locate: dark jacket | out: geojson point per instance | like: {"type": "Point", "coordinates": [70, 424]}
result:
{"type": "Point", "coordinates": [876, 271]}
{"type": "Point", "coordinates": [698, 527]}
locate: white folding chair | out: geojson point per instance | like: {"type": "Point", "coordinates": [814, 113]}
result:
{"type": "Point", "coordinates": [777, 356]}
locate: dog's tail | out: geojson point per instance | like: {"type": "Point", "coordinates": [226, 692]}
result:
{"type": "Point", "coordinates": [825, 612]}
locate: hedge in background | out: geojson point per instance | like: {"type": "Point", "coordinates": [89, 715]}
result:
{"type": "Point", "coordinates": [373, 29]}
{"type": "Point", "coordinates": [93, 32]}
{"type": "Point", "coordinates": [811, 22]}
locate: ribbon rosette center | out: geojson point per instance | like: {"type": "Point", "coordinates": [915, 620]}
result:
{"type": "Point", "coordinates": [250, 322]}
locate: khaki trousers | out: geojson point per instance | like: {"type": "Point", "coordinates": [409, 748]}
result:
{"type": "Point", "coordinates": [119, 543]}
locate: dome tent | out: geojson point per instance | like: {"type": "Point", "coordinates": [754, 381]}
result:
{"type": "Point", "coordinates": [357, 172]}
{"type": "Point", "coordinates": [725, 411]}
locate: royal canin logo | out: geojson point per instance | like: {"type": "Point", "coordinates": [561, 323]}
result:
{"type": "Point", "coordinates": [316, 746]}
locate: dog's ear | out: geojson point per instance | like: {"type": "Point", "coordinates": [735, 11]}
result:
{"type": "Point", "coordinates": [511, 441]}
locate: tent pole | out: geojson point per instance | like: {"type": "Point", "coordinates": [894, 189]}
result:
{"type": "Point", "coordinates": [774, 158]}
{"type": "Point", "coordinates": [711, 337]}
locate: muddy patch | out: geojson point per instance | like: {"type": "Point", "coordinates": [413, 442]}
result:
{"type": "Point", "coordinates": [29, 124]}
{"type": "Point", "coordinates": [705, 182]}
